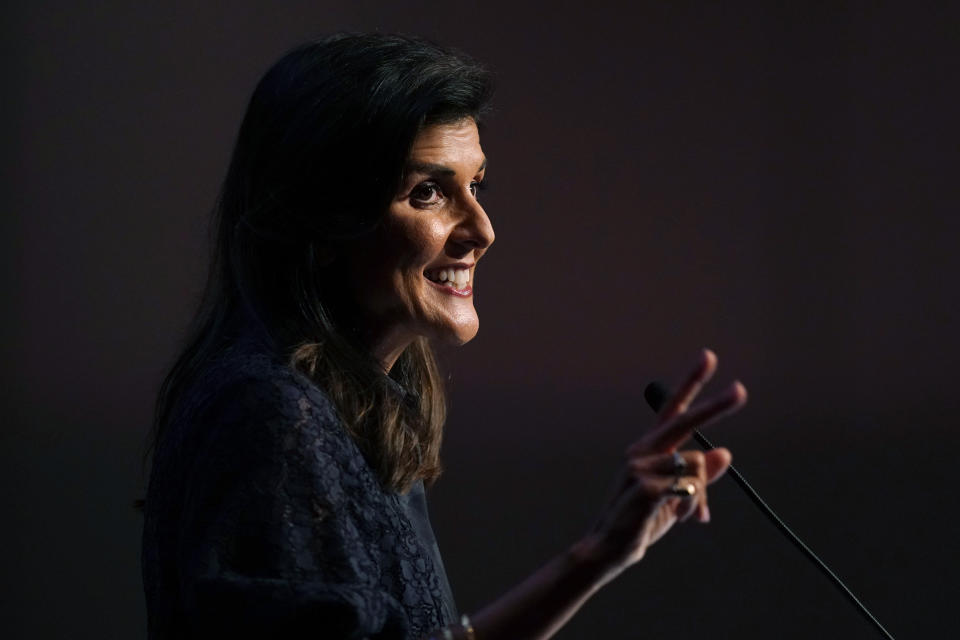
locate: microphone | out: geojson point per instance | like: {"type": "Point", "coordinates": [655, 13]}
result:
{"type": "Point", "coordinates": [656, 395]}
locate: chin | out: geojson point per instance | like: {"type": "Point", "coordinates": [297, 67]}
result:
{"type": "Point", "coordinates": [454, 336]}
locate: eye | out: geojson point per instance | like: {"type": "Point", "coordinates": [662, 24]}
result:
{"type": "Point", "coordinates": [476, 186]}
{"type": "Point", "coordinates": [426, 193]}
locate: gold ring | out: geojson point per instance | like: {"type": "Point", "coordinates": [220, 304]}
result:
{"type": "Point", "coordinates": [682, 490]}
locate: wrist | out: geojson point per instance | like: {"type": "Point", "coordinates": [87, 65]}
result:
{"type": "Point", "coordinates": [541, 604]}
{"type": "Point", "coordinates": [592, 558]}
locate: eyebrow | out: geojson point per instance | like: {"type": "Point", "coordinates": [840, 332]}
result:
{"type": "Point", "coordinates": [434, 169]}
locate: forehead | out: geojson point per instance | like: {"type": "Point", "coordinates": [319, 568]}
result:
{"type": "Point", "coordinates": [454, 143]}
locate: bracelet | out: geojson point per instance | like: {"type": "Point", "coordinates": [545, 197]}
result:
{"type": "Point", "coordinates": [465, 625]}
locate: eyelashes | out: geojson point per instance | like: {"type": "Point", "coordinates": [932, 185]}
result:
{"type": "Point", "coordinates": [429, 193]}
{"type": "Point", "coordinates": [426, 193]}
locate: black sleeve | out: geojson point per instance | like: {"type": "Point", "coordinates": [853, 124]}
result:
{"type": "Point", "coordinates": [271, 542]}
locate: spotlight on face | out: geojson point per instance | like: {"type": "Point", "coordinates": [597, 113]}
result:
{"type": "Point", "coordinates": [415, 276]}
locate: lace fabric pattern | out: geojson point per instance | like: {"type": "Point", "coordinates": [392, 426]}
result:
{"type": "Point", "coordinates": [263, 519]}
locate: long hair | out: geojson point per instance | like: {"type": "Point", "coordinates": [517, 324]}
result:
{"type": "Point", "coordinates": [318, 158]}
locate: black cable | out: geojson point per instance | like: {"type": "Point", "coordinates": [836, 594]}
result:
{"type": "Point", "coordinates": [656, 396]}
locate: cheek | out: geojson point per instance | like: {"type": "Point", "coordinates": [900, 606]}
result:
{"type": "Point", "coordinates": [418, 243]}
{"type": "Point", "coordinates": [393, 267]}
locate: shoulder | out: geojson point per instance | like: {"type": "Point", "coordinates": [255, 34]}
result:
{"type": "Point", "coordinates": [240, 368]}
{"type": "Point", "coordinates": [252, 412]}
{"type": "Point", "coordinates": [261, 385]}
{"type": "Point", "coordinates": [243, 384]}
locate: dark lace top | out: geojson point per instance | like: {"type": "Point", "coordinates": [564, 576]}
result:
{"type": "Point", "coordinates": [263, 519]}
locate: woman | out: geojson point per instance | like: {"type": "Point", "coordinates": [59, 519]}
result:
{"type": "Point", "coordinates": [295, 432]}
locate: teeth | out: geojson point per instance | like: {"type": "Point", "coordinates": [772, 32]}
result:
{"type": "Point", "coordinates": [457, 277]}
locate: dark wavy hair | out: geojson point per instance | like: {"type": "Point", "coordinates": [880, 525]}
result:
{"type": "Point", "coordinates": [318, 158]}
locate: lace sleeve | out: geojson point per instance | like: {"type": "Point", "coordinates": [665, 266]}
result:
{"type": "Point", "coordinates": [272, 538]}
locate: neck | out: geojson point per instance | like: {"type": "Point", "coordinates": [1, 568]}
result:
{"type": "Point", "coordinates": [387, 346]}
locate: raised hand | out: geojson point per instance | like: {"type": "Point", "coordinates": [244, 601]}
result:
{"type": "Point", "coordinates": [660, 485]}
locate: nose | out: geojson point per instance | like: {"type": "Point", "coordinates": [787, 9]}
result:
{"type": "Point", "coordinates": [474, 230]}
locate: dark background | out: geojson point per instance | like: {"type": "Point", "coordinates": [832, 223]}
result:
{"type": "Point", "coordinates": [777, 181]}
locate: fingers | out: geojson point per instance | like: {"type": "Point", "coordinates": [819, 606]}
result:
{"type": "Point", "coordinates": [675, 432]}
{"type": "Point", "coordinates": [717, 462]}
{"type": "Point", "coordinates": [700, 375]}
{"type": "Point", "coordinates": [679, 478]}
{"type": "Point", "coordinates": [694, 464]}
{"type": "Point", "coordinates": [683, 496]}
{"type": "Point", "coordinates": [677, 421]}
{"type": "Point", "coordinates": [674, 484]}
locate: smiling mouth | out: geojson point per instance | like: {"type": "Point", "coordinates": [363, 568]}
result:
{"type": "Point", "coordinates": [451, 280]}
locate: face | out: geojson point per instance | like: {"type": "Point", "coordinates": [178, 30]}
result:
{"type": "Point", "coordinates": [415, 276]}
